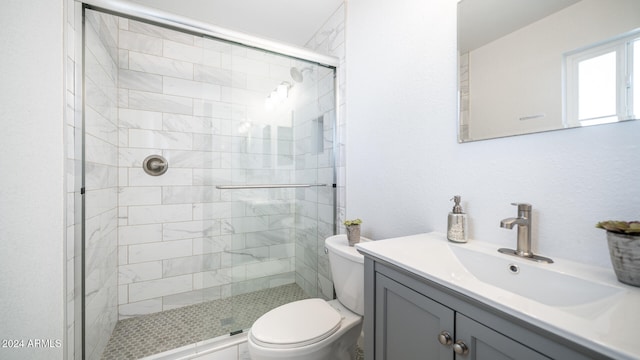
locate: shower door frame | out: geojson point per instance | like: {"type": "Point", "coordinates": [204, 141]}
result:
{"type": "Point", "coordinates": [143, 13]}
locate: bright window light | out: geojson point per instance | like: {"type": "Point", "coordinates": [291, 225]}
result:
{"type": "Point", "coordinates": [602, 81]}
{"type": "Point", "coordinates": [597, 87]}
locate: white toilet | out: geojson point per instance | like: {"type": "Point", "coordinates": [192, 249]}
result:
{"type": "Point", "coordinates": [315, 329]}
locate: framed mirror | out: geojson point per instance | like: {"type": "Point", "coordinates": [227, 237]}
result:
{"type": "Point", "coordinates": [529, 66]}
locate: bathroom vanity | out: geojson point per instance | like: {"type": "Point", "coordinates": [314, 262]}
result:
{"type": "Point", "coordinates": [427, 298]}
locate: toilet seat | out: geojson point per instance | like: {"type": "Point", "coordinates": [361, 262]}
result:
{"type": "Point", "coordinates": [296, 324]}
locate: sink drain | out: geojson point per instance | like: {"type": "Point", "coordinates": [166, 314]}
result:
{"type": "Point", "coordinates": [514, 269]}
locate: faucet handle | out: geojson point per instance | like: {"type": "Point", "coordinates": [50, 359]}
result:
{"type": "Point", "coordinates": [522, 206]}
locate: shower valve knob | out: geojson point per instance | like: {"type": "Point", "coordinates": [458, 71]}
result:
{"type": "Point", "coordinates": [155, 165]}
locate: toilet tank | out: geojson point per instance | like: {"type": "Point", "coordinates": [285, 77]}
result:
{"type": "Point", "coordinates": [347, 270]}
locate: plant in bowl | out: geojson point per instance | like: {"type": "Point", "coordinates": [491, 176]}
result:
{"type": "Point", "coordinates": [353, 231]}
{"type": "Point", "coordinates": [623, 238]}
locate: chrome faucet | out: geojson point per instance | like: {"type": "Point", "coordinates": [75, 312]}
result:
{"type": "Point", "coordinates": [523, 221]}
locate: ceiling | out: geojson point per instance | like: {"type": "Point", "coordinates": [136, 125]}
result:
{"type": "Point", "coordinates": [289, 21]}
{"type": "Point", "coordinates": [482, 21]}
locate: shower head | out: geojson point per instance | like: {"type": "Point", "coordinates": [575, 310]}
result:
{"type": "Point", "coordinates": [296, 74]}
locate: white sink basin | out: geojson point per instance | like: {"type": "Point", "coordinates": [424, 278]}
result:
{"type": "Point", "coordinates": [583, 303]}
{"type": "Point", "coordinates": [536, 281]}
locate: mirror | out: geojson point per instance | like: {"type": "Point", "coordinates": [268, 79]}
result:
{"type": "Point", "coordinates": [529, 66]}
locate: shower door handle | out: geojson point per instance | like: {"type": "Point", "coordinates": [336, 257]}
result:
{"type": "Point", "coordinates": [267, 186]}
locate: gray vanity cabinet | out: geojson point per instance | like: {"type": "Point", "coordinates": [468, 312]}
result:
{"type": "Point", "coordinates": [410, 325]}
{"type": "Point", "coordinates": [408, 317]}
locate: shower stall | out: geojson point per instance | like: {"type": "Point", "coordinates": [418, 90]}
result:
{"type": "Point", "coordinates": [208, 179]}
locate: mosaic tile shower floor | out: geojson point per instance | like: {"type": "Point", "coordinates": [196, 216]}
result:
{"type": "Point", "coordinates": [155, 333]}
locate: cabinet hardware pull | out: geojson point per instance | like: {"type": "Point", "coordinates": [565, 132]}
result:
{"type": "Point", "coordinates": [460, 348]}
{"type": "Point", "coordinates": [445, 338]}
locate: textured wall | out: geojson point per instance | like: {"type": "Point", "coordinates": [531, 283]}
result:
{"type": "Point", "coordinates": [404, 163]}
{"type": "Point", "coordinates": [31, 185]}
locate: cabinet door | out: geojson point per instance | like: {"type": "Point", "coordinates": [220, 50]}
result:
{"type": "Point", "coordinates": [484, 343]}
{"type": "Point", "coordinates": [407, 324]}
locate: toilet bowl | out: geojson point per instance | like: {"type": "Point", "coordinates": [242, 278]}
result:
{"type": "Point", "coordinates": [316, 329]}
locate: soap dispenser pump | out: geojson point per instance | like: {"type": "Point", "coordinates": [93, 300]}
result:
{"type": "Point", "coordinates": [457, 223]}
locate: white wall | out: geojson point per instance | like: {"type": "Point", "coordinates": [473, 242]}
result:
{"type": "Point", "coordinates": [404, 164]}
{"type": "Point", "coordinates": [31, 180]}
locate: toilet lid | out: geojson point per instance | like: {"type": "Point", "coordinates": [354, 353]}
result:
{"type": "Point", "coordinates": [296, 324]}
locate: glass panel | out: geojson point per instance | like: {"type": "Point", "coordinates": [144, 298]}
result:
{"type": "Point", "coordinates": [162, 249]}
{"type": "Point", "coordinates": [282, 133]}
{"type": "Point", "coordinates": [100, 218]}
{"type": "Point", "coordinates": [597, 87]}
{"type": "Point", "coordinates": [635, 81]}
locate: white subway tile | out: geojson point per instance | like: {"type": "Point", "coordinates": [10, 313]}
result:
{"type": "Point", "coordinates": [216, 109]}
{"type": "Point", "coordinates": [159, 65]}
{"type": "Point", "coordinates": [136, 80]}
{"type": "Point", "coordinates": [189, 194]}
{"type": "Point", "coordinates": [212, 278]}
{"type": "Point", "coordinates": [193, 159]}
{"type": "Point", "coordinates": [139, 308]}
{"type": "Point", "coordinates": [161, 287]}
{"type": "Point", "coordinates": [183, 52]}
{"type": "Point", "coordinates": [139, 195]}
{"type": "Point", "coordinates": [154, 139]}
{"type": "Point", "coordinates": [189, 88]}
{"type": "Point", "coordinates": [222, 143]}
{"type": "Point", "coordinates": [159, 251]}
{"type": "Point", "coordinates": [218, 76]}
{"type": "Point", "coordinates": [123, 294]}
{"type": "Point", "coordinates": [154, 214]}
{"type": "Point", "coordinates": [191, 124]}
{"type": "Point", "coordinates": [100, 127]}
{"type": "Point", "coordinates": [123, 59]}
{"type": "Point", "coordinates": [212, 244]}
{"type": "Point", "coordinates": [173, 176]}
{"type": "Point", "coordinates": [267, 268]}
{"type": "Point", "coordinates": [140, 42]}
{"type": "Point", "coordinates": [190, 264]}
{"type": "Point", "coordinates": [211, 176]}
{"type": "Point", "coordinates": [190, 229]}
{"type": "Point", "coordinates": [249, 66]}
{"type": "Point", "coordinates": [143, 100]}
{"type": "Point", "coordinates": [212, 210]}
{"type": "Point", "coordinates": [100, 151]}
{"type": "Point", "coordinates": [133, 273]}
{"type": "Point", "coordinates": [157, 31]}
{"type": "Point", "coordinates": [133, 157]}
{"type": "Point", "coordinates": [139, 234]}
{"type": "Point", "coordinates": [139, 119]}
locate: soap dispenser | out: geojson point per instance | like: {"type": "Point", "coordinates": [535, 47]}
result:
{"type": "Point", "coordinates": [457, 223]}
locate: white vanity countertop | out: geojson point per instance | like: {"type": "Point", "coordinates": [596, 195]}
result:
{"type": "Point", "coordinates": [610, 326]}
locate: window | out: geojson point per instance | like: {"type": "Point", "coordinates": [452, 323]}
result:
{"type": "Point", "coordinates": [600, 81]}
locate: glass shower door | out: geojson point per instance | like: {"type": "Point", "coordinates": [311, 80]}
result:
{"type": "Point", "coordinates": [280, 182]}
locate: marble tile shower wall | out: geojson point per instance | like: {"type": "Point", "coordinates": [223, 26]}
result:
{"type": "Point", "coordinates": [328, 40]}
{"type": "Point", "coordinates": [314, 155]}
{"type": "Point", "coordinates": [101, 180]}
{"type": "Point", "coordinates": [73, 166]}
{"type": "Point", "coordinates": [200, 103]}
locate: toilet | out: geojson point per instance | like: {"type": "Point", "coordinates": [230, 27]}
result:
{"type": "Point", "coordinates": [316, 329]}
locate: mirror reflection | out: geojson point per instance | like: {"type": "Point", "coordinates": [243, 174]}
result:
{"type": "Point", "coordinates": [537, 65]}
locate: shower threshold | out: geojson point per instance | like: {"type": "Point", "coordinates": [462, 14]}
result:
{"type": "Point", "coordinates": [147, 335]}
